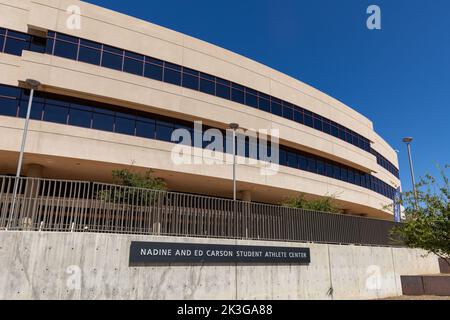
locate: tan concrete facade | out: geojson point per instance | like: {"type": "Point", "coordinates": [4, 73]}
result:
{"type": "Point", "coordinates": [56, 146]}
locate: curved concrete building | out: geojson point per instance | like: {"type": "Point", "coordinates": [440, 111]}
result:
{"type": "Point", "coordinates": [114, 88]}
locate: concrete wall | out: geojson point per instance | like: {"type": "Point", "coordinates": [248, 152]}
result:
{"type": "Point", "coordinates": [48, 266]}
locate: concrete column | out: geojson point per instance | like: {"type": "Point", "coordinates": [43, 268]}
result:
{"type": "Point", "coordinates": [246, 196]}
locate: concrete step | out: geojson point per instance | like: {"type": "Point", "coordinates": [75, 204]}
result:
{"type": "Point", "coordinates": [426, 285]}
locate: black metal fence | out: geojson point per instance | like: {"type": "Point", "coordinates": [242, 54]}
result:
{"type": "Point", "coordinates": [74, 206]}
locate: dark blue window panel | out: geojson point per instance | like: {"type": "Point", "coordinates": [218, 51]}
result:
{"type": "Point", "coordinates": [344, 174]}
{"type": "Point", "coordinates": [207, 86]}
{"type": "Point", "coordinates": [326, 127]}
{"type": "Point", "coordinates": [292, 160]}
{"type": "Point", "coordinates": [7, 91]}
{"type": "Point", "coordinates": [288, 112]}
{"type": "Point", "coordinates": [238, 96]}
{"type": "Point", "coordinates": [67, 38]}
{"type": "Point", "coordinates": [283, 160]}
{"type": "Point", "coordinates": [8, 107]}
{"type": "Point", "coordinates": [191, 81]}
{"type": "Point", "coordinates": [112, 61]}
{"type": "Point", "coordinates": [134, 56]}
{"type": "Point", "coordinates": [350, 176]}
{"type": "Point", "coordinates": [2, 31]}
{"type": "Point", "coordinates": [303, 162]}
{"type": "Point", "coordinates": [114, 50]}
{"type": "Point", "coordinates": [348, 137]}
{"type": "Point", "coordinates": [207, 77]}
{"type": "Point", "coordinates": [91, 44]}
{"type": "Point", "coordinates": [277, 109]}
{"type": "Point", "coordinates": [336, 172]}
{"type": "Point", "coordinates": [264, 104]}
{"type": "Point", "coordinates": [36, 110]}
{"type": "Point", "coordinates": [125, 126]}
{"type": "Point", "coordinates": [133, 66]}
{"type": "Point", "coordinates": [172, 66]}
{"type": "Point", "coordinates": [312, 165]}
{"type": "Point", "coordinates": [102, 122]}
{"type": "Point", "coordinates": [66, 50]}
{"type": "Point", "coordinates": [80, 118]}
{"type": "Point", "coordinates": [320, 167]}
{"type": "Point", "coordinates": [298, 116]}
{"type": "Point", "coordinates": [89, 55]}
{"type": "Point", "coordinates": [153, 71]}
{"type": "Point", "coordinates": [15, 46]}
{"type": "Point", "coordinates": [357, 179]}
{"type": "Point", "coordinates": [318, 124]}
{"type": "Point", "coordinates": [191, 72]}
{"type": "Point", "coordinates": [251, 100]}
{"type": "Point", "coordinates": [329, 170]}
{"type": "Point", "coordinates": [223, 91]}
{"type": "Point", "coordinates": [55, 114]}
{"type": "Point", "coordinates": [164, 132]}
{"type": "Point", "coordinates": [309, 120]}
{"type": "Point", "coordinates": [172, 76]}
{"type": "Point", "coordinates": [38, 44]}
{"type": "Point", "coordinates": [154, 61]}
{"type": "Point", "coordinates": [145, 129]}
{"type": "Point", "coordinates": [2, 42]}
{"type": "Point", "coordinates": [49, 47]}
{"type": "Point", "coordinates": [334, 131]}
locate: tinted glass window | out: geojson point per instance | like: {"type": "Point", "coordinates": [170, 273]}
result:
{"type": "Point", "coordinates": [334, 131]}
{"type": "Point", "coordinates": [112, 61]}
{"type": "Point", "coordinates": [308, 120]}
{"type": "Point", "coordinates": [133, 66]}
{"type": "Point", "coordinates": [341, 133]}
{"type": "Point", "coordinates": [49, 47]}
{"type": "Point", "coordinates": [102, 122]}
{"type": "Point", "coordinates": [89, 55]}
{"type": "Point", "coordinates": [264, 104]}
{"type": "Point", "coordinates": [207, 86]}
{"type": "Point", "coordinates": [303, 163]}
{"type": "Point", "coordinates": [55, 114]}
{"type": "Point", "coordinates": [292, 160]}
{"type": "Point", "coordinates": [223, 91]}
{"type": "Point", "coordinates": [344, 174]}
{"type": "Point", "coordinates": [329, 170]}
{"type": "Point", "coordinates": [66, 50]}
{"type": "Point", "coordinates": [80, 118]}
{"type": "Point", "coordinates": [8, 107]}
{"type": "Point", "coordinates": [337, 172]}
{"type": "Point", "coordinates": [318, 124]}
{"type": "Point", "coordinates": [190, 81]}
{"type": "Point", "coordinates": [36, 110]}
{"type": "Point", "coordinates": [153, 71]}
{"type": "Point", "coordinates": [320, 167]}
{"type": "Point", "coordinates": [145, 129]}
{"type": "Point", "coordinates": [15, 46]}
{"type": "Point", "coordinates": [298, 116]}
{"type": "Point", "coordinates": [172, 76]}
{"type": "Point", "coordinates": [277, 109]}
{"type": "Point", "coordinates": [164, 131]}
{"type": "Point", "coordinates": [288, 112]}
{"type": "Point", "coordinates": [238, 96]}
{"type": "Point", "coordinates": [326, 127]}
{"type": "Point", "coordinates": [312, 165]}
{"type": "Point", "coordinates": [125, 126]}
{"type": "Point", "coordinates": [251, 100]}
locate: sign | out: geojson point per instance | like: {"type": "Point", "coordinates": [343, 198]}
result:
{"type": "Point", "coordinates": [148, 253]}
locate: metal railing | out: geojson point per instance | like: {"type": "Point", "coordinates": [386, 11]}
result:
{"type": "Point", "coordinates": [75, 206]}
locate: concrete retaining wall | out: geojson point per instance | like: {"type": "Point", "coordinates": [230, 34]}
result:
{"type": "Point", "coordinates": [95, 266]}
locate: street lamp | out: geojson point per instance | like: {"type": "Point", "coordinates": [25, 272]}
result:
{"type": "Point", "coordinates": [408, 141]}
{"type": "Point", "coordinates": [234, 127]}
{"type": "Point", "coordinates": [33, 85]}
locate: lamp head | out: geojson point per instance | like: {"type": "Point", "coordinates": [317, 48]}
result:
{"type": "Point", "coordinates": [408, 140]}
{"type": "Point", "coordinates": [234, 126]}
{"type": "Point", "coordinates": [34, 84]}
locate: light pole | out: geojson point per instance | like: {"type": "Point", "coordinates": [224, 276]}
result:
{"type": "Point", "coordinates": [33, 85]}
{"type": "Point", "coordinates": [234, 127]}
{"type": "Point", "coordinates": [408, 141]}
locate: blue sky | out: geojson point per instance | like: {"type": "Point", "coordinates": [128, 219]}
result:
{"type": "Point", "coordinates": [399, 77]}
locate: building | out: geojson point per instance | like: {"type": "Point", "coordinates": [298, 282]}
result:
{"type": "Point", "coordinates": [114, 90]}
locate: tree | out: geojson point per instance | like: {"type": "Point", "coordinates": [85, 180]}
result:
{"type": "Point", "coordinates": [324, 204]}
{"type": "Point", "coordinates": [427, 224]}
{"type": "Point", "coordinates": [127, 178]}
{"type": "Point", "coordinates": [133, 187]}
